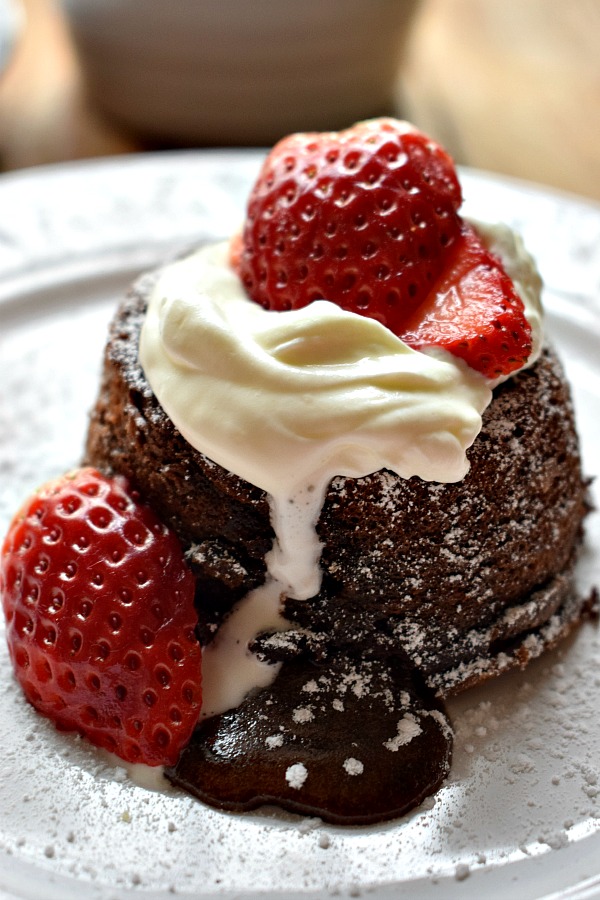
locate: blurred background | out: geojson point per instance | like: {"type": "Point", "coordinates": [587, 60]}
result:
{"type": "Point", "coordinates": [511, 86]}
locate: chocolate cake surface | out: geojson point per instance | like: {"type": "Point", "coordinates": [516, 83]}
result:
{"type": "Point", "coordinates": [447, 584]}
{"type": "Point", "coordinates": [468, 578]}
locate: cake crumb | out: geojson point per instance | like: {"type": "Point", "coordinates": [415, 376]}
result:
{"type": "Point", "coordinates": [461, 872]}
{"type": "Point", "coordinates": [273, 741]}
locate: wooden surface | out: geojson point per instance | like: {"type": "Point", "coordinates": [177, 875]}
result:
{"type": "Point", "coordinates": [511, 86]}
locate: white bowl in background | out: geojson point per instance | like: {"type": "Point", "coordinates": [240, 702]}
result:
{"type": "Point", "coordinates": [239, 71]}
{"type": "Point", "coordinates": [11, 17]}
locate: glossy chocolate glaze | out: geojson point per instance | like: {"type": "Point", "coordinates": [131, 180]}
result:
{"type": "Point", "coordinates": [351, 741]}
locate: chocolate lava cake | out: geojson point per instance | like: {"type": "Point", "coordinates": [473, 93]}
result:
{"type": "Point", "coordinates": [433, 586]}
{"type": "Point", "coordinates": [468, 578]}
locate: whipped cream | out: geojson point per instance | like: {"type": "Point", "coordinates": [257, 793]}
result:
{"type": "Point", "coordinates": [289, 400]}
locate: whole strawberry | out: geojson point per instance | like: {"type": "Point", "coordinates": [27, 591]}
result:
{"type": "Point", "coordinates": [361, 217]}
{"type": "Point", "coordinates": [99, 606]}
{"type": "Point", "coordinates": [368, 218]}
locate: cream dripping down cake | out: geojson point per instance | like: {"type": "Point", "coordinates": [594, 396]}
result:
{"type": "Point", "coordinates": [331, 478]}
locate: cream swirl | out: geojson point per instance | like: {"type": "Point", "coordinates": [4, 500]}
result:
{"type": "Point", "coordinates": [278, 396]}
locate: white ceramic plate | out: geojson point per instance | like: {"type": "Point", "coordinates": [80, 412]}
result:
{"type": "Point", "coordinates": [520, 814]}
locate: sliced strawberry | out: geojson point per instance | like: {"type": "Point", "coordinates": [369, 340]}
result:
{"type": "Point", "coordinates": [474, 312]}
{"type": "Point", "coordinates": [368, 218]}
{"type": "Point", "coordinates": [363, 217]}
{"type": "Point", "coordinates": [99, 605]}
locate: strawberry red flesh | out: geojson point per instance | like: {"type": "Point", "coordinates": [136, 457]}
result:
{"type": "Point", "coordinates": [474, 312]}
{"type": "Point", "coordinates": [99, 605]}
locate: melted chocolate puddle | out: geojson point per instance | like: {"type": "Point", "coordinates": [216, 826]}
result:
{"type": "Point", "coordinates": [351, 741]}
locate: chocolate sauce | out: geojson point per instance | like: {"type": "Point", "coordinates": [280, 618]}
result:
{"type": "Point", "coordinates": [351, 741]}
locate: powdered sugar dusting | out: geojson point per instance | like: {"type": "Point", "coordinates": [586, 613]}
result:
{"type": "Point", "coordinates": [296, 775]}
{"type": "Point", "coordinates": [353, 766]}
{"type": "Point", "coordinates": [408, 728]}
